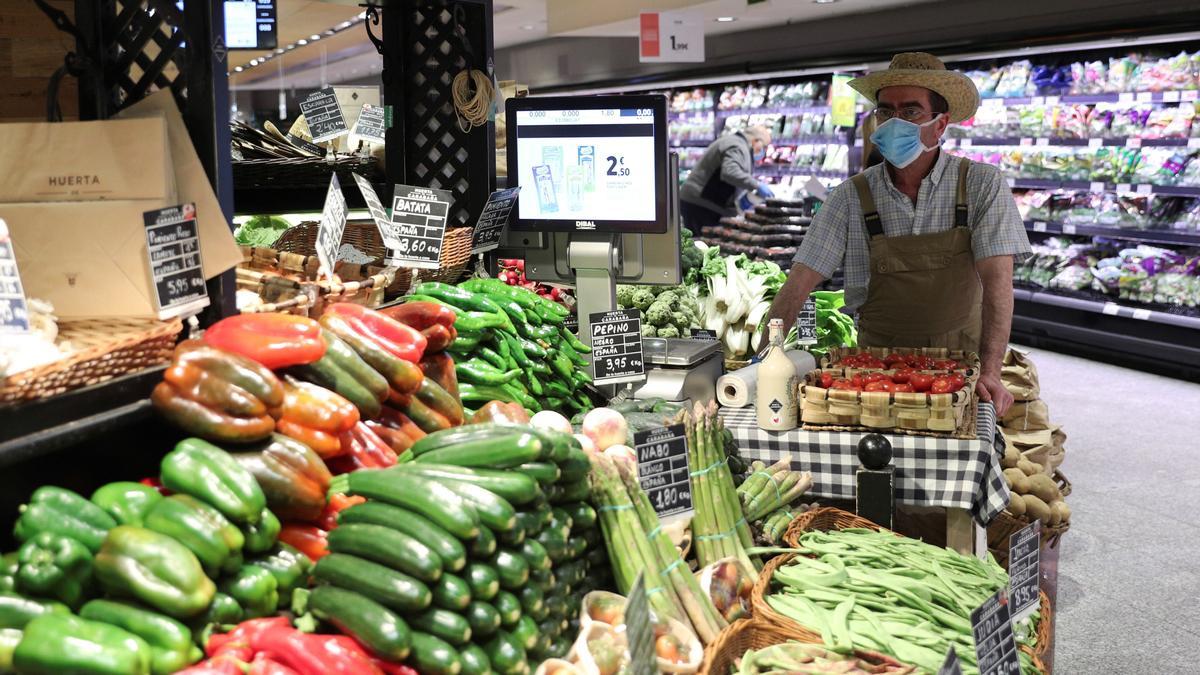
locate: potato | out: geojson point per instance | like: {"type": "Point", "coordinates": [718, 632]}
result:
{"type": "Point", "coordinates": [1015, 480]}
{"type": "Point", "coordinates": [1011, 458]}
{"type": "Point", "coordinates": [1043, 486]}
{"type": "Point", "coordinates": [1054, 519]}
{"type": "Point", "coordinates": [1029, 468]}
{"type": "Point", "coordinates": [1064, 512]}
{"type": "Point", "coordinates": [1036, 508]}
{"type": "Point", "coordinates": [1016, 504]}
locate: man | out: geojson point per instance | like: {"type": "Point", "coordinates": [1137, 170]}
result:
{"type": "Point", "coordinates": [710, 191]}
{"type": "Point", "coordinates": [927, 240]}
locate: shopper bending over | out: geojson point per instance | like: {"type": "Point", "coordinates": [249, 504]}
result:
{"type": "Point", "coordinates": [927, 240]}
{"type": "Point", "coordinates": [710, 191]}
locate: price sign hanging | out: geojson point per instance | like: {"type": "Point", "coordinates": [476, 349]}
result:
{"type": "Point", "coordinates": [951, 665]}
{"type": "Point", "coordinates": [671, 36]}
{"type": "Point", "coordinates": [1024, 570]}
{"type": "Point", "coordinates": [617, 346]}
{"type": "Point", "coordinates": [806, 323]}
{"type": "Point", "coordinates": [378, 213]}
{"type": "Point", "coordinates": [370, 125]}
{"type": "Point", "coordinates": [995, 648]}
{"type": "Point", "coordinates": [331, 227]}
{"type": "Point", "coordinates": [14, 311]}
{"type": "Point", "coordinates": [663, 469]}
{"type": "Point", "coordinates": [173, 252]}
{"type": "Point", "coordinates": [492, 220]}
{"type": "Point", "coordinates": [418, 226]}
{"type": "Point", "coordinates": [323, 115]}
{"type": "Point", "coordinates": [639, 633]}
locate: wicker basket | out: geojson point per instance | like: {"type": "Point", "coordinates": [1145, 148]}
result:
{"type": "Point", "coordinates": [104, 349]}
{"type": "Point", "coordinates": [303, 173]}
{"type": "Point", "coordinates": [1006, 525]}
{"type": "Point", "coordinates": [902, 412]}
{"type": "Point", "coordinates": [742, 636]}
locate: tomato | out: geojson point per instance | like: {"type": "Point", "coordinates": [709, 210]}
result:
{"type": "Point", "coordinates": [957, 380]}
{"type": "Point", "coordinates": [894, 358]}
{"type": "Point", "coordinates": [845, 384]}
{"type": "Point", "coordinates": [920, 381]}
{"type": "Point", "coordinates": [874, 377]}
{"type": "Point", "coordinates": [872, 362]}
{"type": "Point", "coordinates": [902, 375]}
{"type": "Point", "coordinates": [857, 380]}
{"type": "Point", "coordinates": [902, 387]}
{"type": "Point", "coordinates": [826, 379]}
{"type": "Point", "coordinates": [922, 363]}
{"type": "Point", "coordinates": [879, 385]}
{"type": "Point", "coordinates": [945, 364]}
{"type": "Point", "coordinates": [942, 385]}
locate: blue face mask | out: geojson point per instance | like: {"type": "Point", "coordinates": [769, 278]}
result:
{"type": "Point", "coordinates": [760, 156]}
{"type": "Point", "coordinates": [899, 141]}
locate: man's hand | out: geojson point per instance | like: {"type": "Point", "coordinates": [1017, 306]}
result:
{"type": "Point", "coordinates": [991, 389]}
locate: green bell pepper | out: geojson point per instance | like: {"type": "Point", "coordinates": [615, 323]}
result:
{"type": "Point", "coordinates": [255, 589]}
{"type": "Point", "coordinates": [8, 572]}
{"type": "Point", "coordinates": [289, 567]}
{"type": "Point", "coordinates": [16, 611]}
{"type": "Point", "coordinates": [210, 474]}
{"type": "Point", "coordinates": [155, 569]}
{"type": "Point", "coordinates": [201, 528]}
{"type": "Point", "coordinates": [127, 502]}
{"type": "Point", "coordinates": [9, 639]}
{"type": "Point", "coordinates": [222, 613]}
{"type": "Point", "coordinates": [54, 566]}
{"type": "Point", "coordinates": [62, 643]}
{"type": "Point", "coordinates": [171, 646]}
{"type": "Point", "coordinates": [58, 510]}
{"type": "Point", "coordinates": [261, 536]}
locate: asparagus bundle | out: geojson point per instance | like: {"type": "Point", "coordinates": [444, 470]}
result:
{"type": "Point", "coordinates": [719, 528]}
{"type": "Point", "coordinates": [770, 488]}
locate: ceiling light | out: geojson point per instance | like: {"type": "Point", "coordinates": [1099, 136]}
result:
{"type": "Point", "coordinates": [344, 24]}
{"type": "Point", "coordinates": [301, 42]}
{"type": "Point", "coordinates": [314, 37]}
{"type": "Point", "coordinates": [238, 69]}
{"type": "Point", "coordinates": [254, 62]}
{"type": "Point", "coordinates": [279, 51]}
{"type": "Point", "coordinates": [726, 19]}
{"type": "Point", "coordinates": [824, 2]}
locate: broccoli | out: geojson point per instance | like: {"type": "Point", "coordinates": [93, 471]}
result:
{"type": "Point", "coordinates": [668, 332]}
{"type": "Point", "coordinates": [681, 320]}
{"type": "Point", "coordinates": [649, 331]}
{"type": "Point", "coordinates": [659, 314]}
{"type": "Point", "coordinates": [642, 299]}
{"type": "Point", "coordinates": [625, 294]}
{"type": "Point", "coordinates": [690, 257]}
{"type": "Point", "coordinates": [669, 297]}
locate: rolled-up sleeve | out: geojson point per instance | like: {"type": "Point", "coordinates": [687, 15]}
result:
{"type": "Point", "coordinates": [997, 228]}
{"type": "Point", "coordinates": [824, 245]}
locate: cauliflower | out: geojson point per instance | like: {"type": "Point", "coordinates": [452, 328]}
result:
{"type": "Point", "coordinates": [669, 297]}
{"type": "Point", "coordinates": [642, 299]}
{"type": "Point", "coordinates": [659, 314]}
{"type": "Point", "coordinates": [681, 320]}
{"type": "Point", "coordinates": [668, 332]}
{"type": "Point", "coordinates": [649, 331]}
{"type": "Point", "coordinates": [625, 295]}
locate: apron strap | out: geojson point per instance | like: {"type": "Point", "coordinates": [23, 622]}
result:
{"type": "Point", "coordinates": [960, 204]}
{"type": "Point", "coordinates": [867, 202]}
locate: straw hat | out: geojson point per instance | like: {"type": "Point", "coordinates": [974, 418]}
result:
{"type": "Point", "coordinates": [918, 69]}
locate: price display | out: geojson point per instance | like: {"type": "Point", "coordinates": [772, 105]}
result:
{"type": "Point", "coordinates": [806, 323]}
{"type": "Point", "coordinates": [1145, 189]}
{"type": "Point", "coordinates": [323, 115]}
{"type": "Point", "coordinates": [1024, 570]}
{"type": "Point", "coordinates": [663, 469]}
{"type": "Point", "coordinates": [571, 323]}
{"type": "Point", "coordinates": [617, 346]}
{"type": "Point", "coordinates": [331, 227]}
{"type": "Point", "coordinates": [417, 227]}
{"type": "Point", "coordinates": [304, 145]}
{"type": "Point", "coordinates": [1143, 314]}
{"type": "Point", "coordinates": [370, 126]}
{"type": "Point", "coordinates": [703, 334]}
{"type": "Point", "coordinates": [1068, 228]}
{"type": "Point", "coordinates": [639, 633]}
{"type": "Point", "coordinates": [995, 648]}
{"type": "Point", "coordinates": [14, 312]}
{"type": "Point", "coordinates": [1039, 226]}
{"type": "Point", "coordinates": [1095, 142]}
{"type": "Point", "coordinates": [1096, 186]}
{"type": "Point", "coordinates": [493, 219]}
{"type": "Point", "coordinates": [173, 250]}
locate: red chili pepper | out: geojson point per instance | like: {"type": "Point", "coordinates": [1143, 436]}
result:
{"type": "Point", "coordinates": [309, 654]}
{"type": "Point", "coordinates": [401, 341]}
{"type": "Point", "coordinates": [155, 483]}
{"type": "Point", "coordinates": [337, 503]}
{"type": "Point", "coordinates": [240, 640]}
{"type": "Point", "coordinates": [308, 539]}
{"type": "Point", "coordinates": [223, 664]}
{"type": "Point", "coordinates": [438, 338]}
{"type": "Point", "coordinates": [274, 340]}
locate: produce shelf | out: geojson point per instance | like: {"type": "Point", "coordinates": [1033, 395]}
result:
{"type": "Point", "coordinates": [1148, 236]}
{"type": "Point", "coordinates": [798, 171]}
{"type": "Point", "coordinates": [1125, 97]}
{"type": "Point", "coordinates": [688, 114]}
{"type": "Point", "coordinates": [810, 140]}
{"type": "Point", "coordinates": [1123, 310]}
{"type": "Point", "coordinates": [693, 143]}
{"type": "Point", "coordinates": [1099, 186]}
{"type": "Point", "coordinates": [774, 110]}
{"type": "Point", "coordinates": [1075, 142]}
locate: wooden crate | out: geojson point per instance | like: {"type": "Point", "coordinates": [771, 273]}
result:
{"type": "Point", "coordinates": [906, 412]}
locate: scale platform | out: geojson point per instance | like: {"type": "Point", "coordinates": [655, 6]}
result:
{"type": "Point", "coordinates": [682, 370]}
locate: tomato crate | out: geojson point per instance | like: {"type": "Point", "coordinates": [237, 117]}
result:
{"type": "Point", "coordinates": [965, 362]}
{"type": "Point", "coordinates": [920, 413]}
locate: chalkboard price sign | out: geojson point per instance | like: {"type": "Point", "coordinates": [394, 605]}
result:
{"type": "Point", "coordinates": [663, 469]}
{"type": "Point", "coordinates": [417, 227]}
{"type": "Point", "coordinates": [323, 115]}
{"type": "Point", "coordinates": [995, 648]}
{"type": "Point", "coordinates": [173, 251]}
{"type": "Point", "coordinates": [14, 312]}
{"type": "Point", "coordinates": [493, 219]}
{"type": "Point", "coordinates": [617, 346]}
{"type": "Point", "coordinates": [331, 227]}
{"type": "Point", "coordinates": [806, 323]}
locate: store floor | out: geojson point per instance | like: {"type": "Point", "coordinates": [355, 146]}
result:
{"type": "Point", "coordinates": [1128, 579]}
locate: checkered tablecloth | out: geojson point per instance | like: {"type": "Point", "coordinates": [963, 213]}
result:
{"type": "Point", "coordinates": [930, 471]}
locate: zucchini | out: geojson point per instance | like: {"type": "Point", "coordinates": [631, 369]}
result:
{"type": "Point", "coordinates": [452, 593]}
{"type": "Point", "coordinates": [597, 558]}
{"type": "Point", "coordinates": [375, 626]}
{"type": "Point", "coordinates": [545, 473]}
{"type": "Point", "coordinates": [535, 554]}
{"type": "Point", "coordinates": [484, 620]}
{"type": "Point", "coordinates": [506, 655]}
{"type": "Point", "coordinates": [474, 661]}
{"type": "Point", "coordinates": [484, 545]}
{"type": "Point", "coordinates": [526, 633]}
{"type": "Point", "coordinates": [436, 501]}
{"type": "Point", "coordinates": [443, 624]}
{"type": "Point", "coordinates": [494, 512]}
{"type": "Point", "coordinates": [511, 568]}
{"type": "Point", "coordinates": [576, 547]}
{"type": "Point", "coordinates": [529, 522]}
{"type": "Point", "coordinates": [515, 487]}
{"type": "Point", "coordinates": [465, 434]}
{"type": "Point", "coordinates": [583, 516]}
{"type": "Point", "coordinates": [555, 545]}
{"type": "Point", "coordinates": [448, 547]}
{"type": "Point", "coordinates": [543, 580]}
{"type": "Point", "coordinates": [550, 628]}
{"type": "Point", "coordinates": [392, 589]}
{"type": "Point", "coordinates": [545, 515]}
{"type": "Point", "coordinates": [387, 547]}
{"type": "Point", "coordinates": [434, 656]}
{"type": "Point", "coordinates": [509, 607]}
{"type": "Point", "coordinates": [561, 521]}
{"type": "Point", "coordinates": [557, 444]}
{"type": "Point", "coordinates": [484, 582]}
{"type": "Point", "coordinates": [560, 645]}
{"type": "Point", "coordinates": [575, 466]}
{"type": "Point", "coordinates": [543, 646]}
{"type": "Point", "coordinates": [533, 602]}
{"type": "Point", "coordinates": [574, 491]}
{"type": "Point", "coordinates": [500, 452]}
{"type": "Point", "coordinates": [571, 574]}
{"type": "Point", "coordinates": [555, 606]}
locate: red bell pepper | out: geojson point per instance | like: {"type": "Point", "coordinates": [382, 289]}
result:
{"type": "Point", "coordinates": [223, 664]}
{"type": "Point", "coordinates": [390, 668]}
{"type": "Point", "coordinates": [395, 419]}
{"type": "Point", "coordinates": [398, 339]}
{"type": "Point", "coordinates": [265, 665]}
{"type": "Point", "coordinates": [440, 368]}
{"type": "Point", "coordinates": [435, 321]}
{"type": "Point", "coordinates": [401, 375]}
{"type": "Point", "coordinates": [308, 539]}
{"type": "Point", "coordinates": [362, 449]}
{"type": "Point", "coordinates": [424, 416]}
{"type": "Point", "coordinates": [315, 416]}
{"type": "Point", "coordinates": [274, 340]}
{"type": "Point", "coordinates": [338, 502]}
{"type": "Point", "coordinates": [397, 440]}
{"type": "Point", "coordinates": [310, 654]}
{"type": "Point", "coordinates": [240, 641]}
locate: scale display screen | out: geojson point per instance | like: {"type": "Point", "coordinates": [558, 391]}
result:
{"type": "Point", "coordinates": [589, 163]}
{"type": "Point", "coordinates": [250, 24]}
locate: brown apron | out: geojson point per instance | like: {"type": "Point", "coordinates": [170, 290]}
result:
{"type": "Point", "coordinates": [924, 290]}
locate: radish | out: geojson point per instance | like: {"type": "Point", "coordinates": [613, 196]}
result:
{"type": "Point", "coordinates": [606, 427]}
{"type": "Point", "coordinates": [587, 444]}
{"type": "Point", "coordinates": [622, 454]}
{"type": "Point", "coordinates": [550, 420]}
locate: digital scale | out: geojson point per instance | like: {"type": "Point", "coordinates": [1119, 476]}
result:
{"type": "Point", "coordinates": [681, 370]}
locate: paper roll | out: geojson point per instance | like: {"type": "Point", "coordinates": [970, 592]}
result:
{"type": "Point", "coordinates": [736, 389]}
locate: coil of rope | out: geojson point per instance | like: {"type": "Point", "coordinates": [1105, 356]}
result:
{"type": "Point", "coordinates": [473, 107]}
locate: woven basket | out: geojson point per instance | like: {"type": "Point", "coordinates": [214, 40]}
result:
{"type": "Point", "coordinates": [836, 354]}
{"type": "Point", "coordinates": [303, 173]}
{"type": "Point", "coordinates": [104, 349]}
{"type": "Point", "coordinates": [742, 636]}
{"type": "Point", "coordinates": [824, 409]}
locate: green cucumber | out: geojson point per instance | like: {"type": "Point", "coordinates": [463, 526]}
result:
{"type": "Point", "coordinates": [494, 512]}
{"type": "Point", "coordinates": [561, 521]}
{"type": "Point", "coordinates": [452, 593]}
{"type": "Point", "coordinates": [516, 488]}
{"type": "Point", "coordinates": [434, 656]}
{"type": "Point", "coordinates": [442, 624]}
{"type": "Point", "coordinates": [483, 618]}
{"type": "Point", "coordinates": [388, 547]}
{"type": "Point", "coordinates": [545, 473]}
{"type": "Point", "coordinates": [535, 554]}
{"type": "Point", "coordinates": [484, 545]}
{"type": "Point", "coordinates": [533, 602]}
{"type": "Point", "coordinates": [506, 655]}
{"type": "Point", "coordinates": [556, 606]}
{"type": "Point", "coordinates": [583, 516]}
{"type": "Point", "coordinates": [526, 632]}
{"type": "Point", "coordinates": [545, 515]}
{"type": "Point", "coordinates": [512, 569]}
{"type": "Point", "coordinates": [575, 465]}
{"type": "Point", "coordinates": [375, 626]}
{"type": "Point", "coordinates": [448, 547]}
{"type": "Point", "coordinates": [392, 589]}
{"type": "Point", "coordinates": [576, 547]}
{"type": "Point", "coordinates": [557, 444]}
{"type": "Point", "coordinates": [544, 581]}
{"type": "Point", "coordinates": [436, 501]}
{"type": "Point", "coordinates": [501, 452]}
{"type": "Point", "coordinates": [574, 491]}
{"type": "Point", "coordinates": [474, 661]}
{"type": "Point", "coordinates": [550, 628]}
{"type": "Point", "coordinates": [529, 522]}
{"type": "Point", "coordinates": [543, 647]}
{"type": "Point", "coordinates": [554, 543]}
{"type": "Point", "coordinates": [484, 582]}
{"type": "Point", "coordinates": [514, 537]}
{"type": "Point", "coordinates": [572, 573]}
{"type": "Point", "coordinates": [458, 435]}
{"type": "Point", "coordinates": [509, 607]}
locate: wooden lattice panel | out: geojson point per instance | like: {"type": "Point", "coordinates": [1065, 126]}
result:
{"type": "Point", "coordinates": [147, 42]}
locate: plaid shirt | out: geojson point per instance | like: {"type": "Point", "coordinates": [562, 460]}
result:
{"type": "Point", "coordinates": [838, 235]}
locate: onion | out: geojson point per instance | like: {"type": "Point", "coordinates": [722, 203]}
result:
{"type": "Point", "coordinates": [606, 427]}
{"type": "Point", "coordinates": [587, 444]}
{"type": "Point", "coordinates": [552, 421]}
{"type": "Point", "coordinates": [622, 454]}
